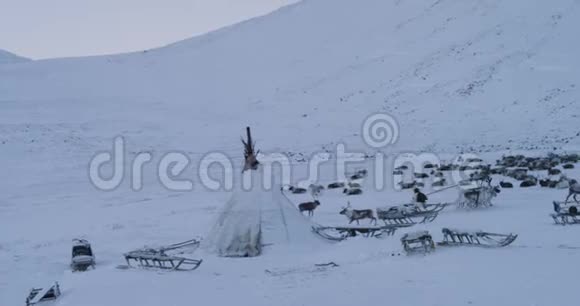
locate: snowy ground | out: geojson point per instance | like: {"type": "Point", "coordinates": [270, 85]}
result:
{"type": "Point", "coordinates": [40, 228]}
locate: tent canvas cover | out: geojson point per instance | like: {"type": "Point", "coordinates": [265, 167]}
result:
{"type": "Point", "coordinates": [255, 218]}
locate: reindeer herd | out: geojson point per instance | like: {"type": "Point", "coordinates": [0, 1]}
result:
{"type": "Point", "coordinates": [352, 214]}
{"type": "Point", "coordinates": [516, 167]}
{"type": "Point", "coordinates": [348, 188]}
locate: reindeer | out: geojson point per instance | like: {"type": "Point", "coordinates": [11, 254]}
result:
{"type": "Point", "coordinates": [356, 214]}
{"type": "Point", "coordinates": [510, 185]}
{"type": "Point", "coordinates": [352, 191]}
{"type": "Point", "coordinates": [335, 185]}
{"type": "Point", "coordinates": [297, 190]}
{"type": "Point", "coordinates": [315, 190]}
{"type": "Point", "coordinates": [574, 190]}
{"type": "Point", "coordinates": [309, 207]}
{"type": "Point", "coordinates": [354, 185]}
{"type": "Point", "coordinates": [359, 174]}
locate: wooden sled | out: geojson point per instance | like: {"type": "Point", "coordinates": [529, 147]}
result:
{"type": "Point", "coordinates": [159, 259]}
{"type": "Point", "coordinates": [409, 214]}
{"type": "Point", "coordinates": [339, 233]}
{"type": "Point", "coordinates": [38, 295]}
{"type": "Point", "coordinates": [454, 237]}
{"type": "Point", "coordinates": [419, 242]}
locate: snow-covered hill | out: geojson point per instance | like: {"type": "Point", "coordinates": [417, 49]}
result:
{"type": "Point", "coordinates": [494, 72]}
{"type": "Point", "coordinates": [489, 75]}
{"type": "Point", "coordinates": [11, 58]}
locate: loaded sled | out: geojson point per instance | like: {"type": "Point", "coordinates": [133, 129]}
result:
{"type": "Point", "coordinates": [159, 259]}
{"type": "Point", "coordinates": [38, 295]}
{"type": "Point", "coordinates": [572, 208]}
{"type": "Point", "coordinates": [566, 213]}
{"type": "Point", "coordinates": [455, 237]}
{"type": "Point", "coordinates": [339, 233]}
{"type": "Point", "coordinates": [418, 242]}
{"type": "Point", "coordinates": [82, 255]}
{"type": "Point", "coordinates": [409, 214]}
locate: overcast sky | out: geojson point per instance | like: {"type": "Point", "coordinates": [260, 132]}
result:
{"type": "Point", "coordinates": [59, 28]}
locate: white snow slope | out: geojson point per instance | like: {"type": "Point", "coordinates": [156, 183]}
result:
{"type": "Point", "coordinates": [11, 58]}
{"type": "Point", "coordinates": [458, 75]}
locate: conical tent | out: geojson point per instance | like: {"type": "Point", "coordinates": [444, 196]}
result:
{"type": "Point", "coordinates": [256, 217]}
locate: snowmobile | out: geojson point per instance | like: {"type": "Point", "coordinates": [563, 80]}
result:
{"type": "Point", "coordinates": [82, 255]}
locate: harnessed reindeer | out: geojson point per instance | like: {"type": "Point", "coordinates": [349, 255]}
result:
{"type": "Point", "coordinates": [358, 214]}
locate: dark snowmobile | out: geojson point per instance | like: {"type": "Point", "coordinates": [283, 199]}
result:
{"type": "Point", "coordinates": [82, 255]}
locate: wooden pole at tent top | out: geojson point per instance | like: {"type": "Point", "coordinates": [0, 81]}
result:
{"type": "Point", "coordinates": [250, 160]}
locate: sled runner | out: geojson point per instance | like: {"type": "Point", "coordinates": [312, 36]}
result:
{"type": "Point", "coordinates": [418, 242]}
{"type": "Point", "coordinates": [339, 233]}
{"type": "Point", "coordinates": [82, 255]}
{"type": "Point", "coordinates": [38, 295]}
{"type": "Point", "coordinates": [454, 237]}
{"type": "Point", "coordinates": [409, 214]}
{"type": "Point", "coordinates": [157, 258]}
{"type": "Point", "coordinates": [565, 218]}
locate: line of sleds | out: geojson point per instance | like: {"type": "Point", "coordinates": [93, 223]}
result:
{"type": "Point", "coordinates": [407, 215]}
{"type": "Point", "coordinates": [393, 218]}
{"type": "Point", "coordinates": [476, 192]}
{"type": "Point", "coordinates": [422, 241]}
{"type": "Point", "coordinates": [566, 213]}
